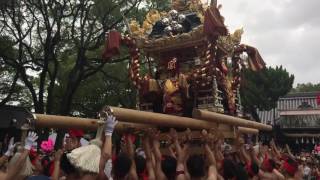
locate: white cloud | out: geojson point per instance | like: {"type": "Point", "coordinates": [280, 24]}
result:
{"type": "Point", "coordinates": [286, 32]}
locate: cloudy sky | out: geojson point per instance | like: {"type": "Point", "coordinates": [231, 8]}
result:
{"type": "Point", "coordinates": [286, 32]}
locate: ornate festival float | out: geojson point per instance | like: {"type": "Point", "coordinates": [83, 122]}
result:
{"type": "Point", "coordinates": [193, 72]}
{"type": "Point", "coordinates": [193, 62]}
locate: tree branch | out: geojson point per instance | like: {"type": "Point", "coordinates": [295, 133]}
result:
{"type": "Point", "coordinates": [11, 90]}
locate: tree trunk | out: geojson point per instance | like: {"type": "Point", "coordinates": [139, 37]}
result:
{"type": "Point", "coordinates": [75, 78]}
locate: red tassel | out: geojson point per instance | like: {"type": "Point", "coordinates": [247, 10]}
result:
{"type": "Point", "coordinates": [112, 45]}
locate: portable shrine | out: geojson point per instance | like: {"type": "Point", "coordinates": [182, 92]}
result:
{"type": "Point", "coordinates": [192, 75]}
{"type": "Point", "coordinates": [193, 61]}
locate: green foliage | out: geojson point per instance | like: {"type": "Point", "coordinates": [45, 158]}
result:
{"type": "Point", "coordinates": [145, 6]}
{"type": "Point", "coordinates": [111, 88]}
{"type": "Point", "coordinates": [7, 49]}
{"type": "Point", "coordinates": [58, 48]}
{"type": "Point", "coordinates": [262, 89]}
{"type": "Point", "coordinates": [163, 5]}
{"type": "Point", "coordinates": [306, 87]}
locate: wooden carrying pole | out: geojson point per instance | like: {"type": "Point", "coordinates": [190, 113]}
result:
{"type": "Point", "coordinates": [65, 122]}
{"type": "Point", "coordinates": [129, 119]}
{"type": "Point", "coordinates": [224, 119]}
{"type": "Point", "coordinates": [157, 119]}
{"type": "Point", "coordinates": [123, 115]}
{"type": "Point", "coordinates": [248, 130]}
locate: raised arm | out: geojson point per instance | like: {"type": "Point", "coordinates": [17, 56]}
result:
{"type": "Point", "coordinates": [158, 157]}
{"type": "Point", "coordinates": [289, 152]}
{"type": "Point", "coordinates": [243, 153]}
{"type": "Point", "coordinates": [8, 153]}
{"type": "Point", "coordinates": [181, 155]}
{"type": "Point", "coordinates": [254, 156]}
{"type": "Point", "coordinates": [212, 171]}
{"type": "Point", "coordinates": [130, 149]}
{"type": "Point", "coordinates": [275, 149]}
{"type": "Point", "coordinates": [147, 150]}
{"type": "Point", "coordinates": [106, 152]}
{"type": "Point", "coordinates": [278, 174]}
{"type": "Point", "coordinates": [57, 160]}
{"type": "Point", "coordinates": [16, 168]}
{"type": "Point", "coordinates": [218, 153]}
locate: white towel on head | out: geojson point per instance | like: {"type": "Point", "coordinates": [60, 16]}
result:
{"type": "Point", "coordinates": [86, 158]}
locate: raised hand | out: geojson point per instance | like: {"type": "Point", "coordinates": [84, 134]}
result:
{"type": "Point", "coordinates": [58, 155]}
{"type": "Point", "coordinates": [205, 136]}
{"type": "Point", "coordinates": [173, 134]}
{"type": "Point", "coordinates": [10, 148]}
{"type": "Point", "coordinates": [29, 141]}
{"type": "Point", "coordinates": [111, 122]}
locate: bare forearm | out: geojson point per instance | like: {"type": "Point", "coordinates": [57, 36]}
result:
{"type": "Point", "coordinates": [12, 172]}
{"type": "Point", "coordinates": [210, 155]}
{"type": "Point", "coordinates": [289, 151]}
{"type": "Point", "coordinates": [105, 153]}
{"type": "Point", "coordinates": [156, 150]}
{"type": "Point", "coordinates": [157, 154]}
{"type": "Point", "coordinates": [150, 169]}
{"type": "Point", "coordinates": [130, 149]}
{"type": "Point", "coordinates": [276, 152]}
{"type": "Point", "coordinates": [245, 154]}
{"type": "Point", "coordinates": [180, 168]}
{"type": "Point", "coordinates": [149, 164]}
{"type": "Point", "coordinates": [212, 173]}
{"type": "Point", "coordinates": [107, 148]}
{"type": "Point", "coordinates": [133, 172]}
{"type": "Point", "coordinates": [56, 172]}
{"type": "Point", "coordinates": [3, 159]}
{"type": "Point", "coordinates": [278, 174]}
{"type": "Point", "coordinates": [254, 157]}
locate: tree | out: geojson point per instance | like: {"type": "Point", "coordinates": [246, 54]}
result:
{"type": "Point", "coordinates": [57, 52]}
{"type": "Point", "coordinates": [110, 86]}
{"type": "Point", "coordinates": [306, 87]}
{"type": "Point", "coordinates": [261, 90]}
{"type": "Point", "coordinates": [43, 31]}
{"type": "Point", "coordinates": [8, 77]}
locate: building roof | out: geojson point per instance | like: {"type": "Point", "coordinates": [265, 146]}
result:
{"type": "Point", "coordinates": [291, 102]}
{"type": "Point", "coordinates": [267, 117]}
{"type": "Point", "coordinates": [302, 94]}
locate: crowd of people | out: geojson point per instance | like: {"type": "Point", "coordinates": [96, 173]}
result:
{"type": "Point", "coordinates": [182, 157]}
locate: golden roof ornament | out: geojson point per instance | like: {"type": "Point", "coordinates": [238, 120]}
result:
{"type": "Point", "coordinates": [229, 42]}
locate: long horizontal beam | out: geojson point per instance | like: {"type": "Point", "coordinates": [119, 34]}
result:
{"type": "Point", "coordinates": [123, 115]}
{"type": "Point", "coordinates": [129, 119]}
{"type": "Point", "coordinates": [230, 120]}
